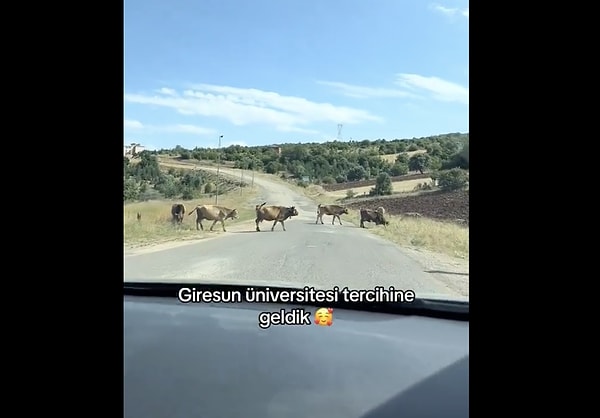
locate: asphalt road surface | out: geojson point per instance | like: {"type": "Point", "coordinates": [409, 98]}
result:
{"type": "Point", "coordinates": [322, 256]}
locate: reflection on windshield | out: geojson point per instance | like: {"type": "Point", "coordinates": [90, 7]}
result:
{"type": "Point", "coordinates": [284, 152]}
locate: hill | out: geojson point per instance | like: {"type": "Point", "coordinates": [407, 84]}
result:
{"type": "Point", "coordinates": [374, 169]}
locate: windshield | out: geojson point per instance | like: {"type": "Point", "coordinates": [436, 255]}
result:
{"type": "Point", "coordinates": [311, 143]}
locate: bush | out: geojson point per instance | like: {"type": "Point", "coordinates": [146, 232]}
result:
{"type": "Point", "coordinates": [453, 179]}
{"type": "Point", "coordinates": [383, 185]}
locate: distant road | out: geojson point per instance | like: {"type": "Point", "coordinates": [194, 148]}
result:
{"type": "Point", "coordinates": [306, 254]}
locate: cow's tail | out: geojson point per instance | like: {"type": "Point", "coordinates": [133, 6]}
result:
{"type": "Point", "coordinates": [257, 207]}
{"type": "Point", "coordinates": [192, 211]}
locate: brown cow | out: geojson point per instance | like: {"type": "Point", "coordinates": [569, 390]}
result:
{"type": "Point", "coordinates": [213, 213]}
{"type": "Point", "coordinates": [377, 216]}
{"type": "Point", "coordinates": [177, 211]}
{"type": "Point", "coordinates": [273, 213]}
{"type": "Point", "coordinates": [334, 210]}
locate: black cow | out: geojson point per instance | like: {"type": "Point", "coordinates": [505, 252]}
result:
{"type": "Point", "coordinates": [177, 211]}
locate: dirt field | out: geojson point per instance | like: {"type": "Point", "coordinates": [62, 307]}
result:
{"type": "Point", "coordinates": [364, 183]}
{"type": "Point", "coordinates": [448, 206]}
{"type": "Point", "coordinates": [397, 187]}
{"type": "Point", "coordinates": [391, 158]}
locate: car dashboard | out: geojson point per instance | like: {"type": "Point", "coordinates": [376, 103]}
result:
{"type": "Point", "coordinates": [213, 361]}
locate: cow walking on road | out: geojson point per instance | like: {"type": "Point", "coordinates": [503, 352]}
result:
{"type": "Point", "coordinates": [213, 213]}
{"type": "Point", "coordinates": [274, 213]}
{"type": "Point", "coordinates": [377, 216]}
{"type": "Point", "coordinates": [177, 211]}
{"type": "Point", "coordinates": [334, 210]}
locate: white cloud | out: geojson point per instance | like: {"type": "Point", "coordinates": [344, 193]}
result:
{"type": "Point", "coordinates": [167, 91]}
{"type": "Point", "coordinates": [189, 129]}
{"type": "Point", "coordinates": [150, 129]}
{"type": "Point", "coordinates": [132, 124]}
{"type": "Point", "coordinates": [362, 92]}
{"type": "Point", "coordinates": [439, 89]}
{"type": "Point", "coordinates": [244, 106]}
{"type": "Point", "coordinates": [450, 11]}
{"type": "Point", "coordinates": [295, 129]}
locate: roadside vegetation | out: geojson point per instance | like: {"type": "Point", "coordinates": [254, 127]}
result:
{"type": "Point", "coordinates": [151, 189]}
{"type": "Point", "coordinates": [437, 236]}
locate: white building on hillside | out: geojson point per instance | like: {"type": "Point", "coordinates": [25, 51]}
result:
{"type": "Point", "coordinates": [133, 149]}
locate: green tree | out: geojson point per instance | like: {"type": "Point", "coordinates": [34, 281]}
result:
{"type": "Point", "coordinates": [383, 185]}
{"type": "Point", "coordinates": [402, 158]}
{"type": "Point", "coordinates": [356, 173]}
{"type": "Point", "coordinates": [453, 179]}
{"type": "Point", "coordinates": [131, 190]}
{"type": "Point", "coordinates": [422, 162]}
{"type": "Point", "coordinates": [399, 169]}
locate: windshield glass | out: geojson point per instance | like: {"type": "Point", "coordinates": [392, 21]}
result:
{"type": "Point", "coordinates": [298, 143]}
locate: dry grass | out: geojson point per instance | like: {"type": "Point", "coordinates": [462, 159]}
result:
{"type": "Point", "coordinates": [397, 187]}
{"type": "Point", "coordinates": [156, 227]}
{"type": "Point", "coordinates": [436, 236]}
{"type": "Point", "coordinates": [172, 162]}
{"type": "Point", "coordinates": [391, 158]}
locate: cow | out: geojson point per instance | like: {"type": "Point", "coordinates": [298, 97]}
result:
{"type": "Point", "coordinates": [273, 213]}
{"type": "Point", "coordinates": [177, 211]}
{"type": "Point", "coordinates": [334, 210]}
{"type": "Point", "coordinates": [139, 216]}
{"type": "Point", "coordinates": [213, 213]}
{"type": "Point", "coordinates": [377, 216]}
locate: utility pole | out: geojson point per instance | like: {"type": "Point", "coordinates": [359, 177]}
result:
{"type": "Point", "coordinates": [218, 167]}
{"type": "Point", "coordinates": [242, 181]}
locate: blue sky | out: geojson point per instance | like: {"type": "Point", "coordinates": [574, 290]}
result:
{"type": "Point", "coordinates": [266, 71]}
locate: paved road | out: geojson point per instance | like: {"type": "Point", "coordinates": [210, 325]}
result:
{"type": "Point", "coordinates": [306, 254]}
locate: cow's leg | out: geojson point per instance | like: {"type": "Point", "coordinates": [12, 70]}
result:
{"type": "Point", "coordinates": [317, 221]}
{"type": "Point", "coordinates": [321, 216]}
{"type": "Point", "coordinates": [256, 221]}
{"type": "Point", "coordinates": [213, 224]}
{"type": "Point", "coordinates": [223, 224]}
{"type": "Point", "coordinates": [333, 220]}
{"type": "Point", "coordinates": [274, 223]}
{"type": "Point", "coordinates": [282, 225]}
{"type": "Point", "coordinates": [362, 223]}
{"type": "Point", "coordinates": [339, 219]}
{"type": "Point", "coordinates": [200, 222]}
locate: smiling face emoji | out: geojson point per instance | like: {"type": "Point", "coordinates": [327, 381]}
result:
{"type": "Point", "coordinates": [324, 317]}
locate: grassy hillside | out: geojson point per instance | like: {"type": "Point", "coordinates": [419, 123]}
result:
{"type": "Point", "coordinates": [340, 162]}
{"type": "Point", "coordinates": [151, 186]}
